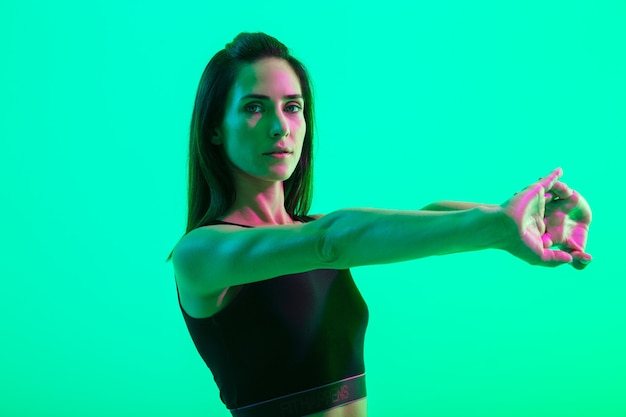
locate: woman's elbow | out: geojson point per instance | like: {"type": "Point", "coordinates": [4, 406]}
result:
{"type": "Point", "coordinates": [329, 241]}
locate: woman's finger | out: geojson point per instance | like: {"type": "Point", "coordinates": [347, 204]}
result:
{"type": "Point", "coordinates": [581, 260]}
{"type": "Point", "coordinates": [547, 241]}
{"type": "Point", "coordinates": [556, 257]}
{"type": "Point", "coordinates": [549, 181]}
{"type": "Point", "coordinates": [561, 190]}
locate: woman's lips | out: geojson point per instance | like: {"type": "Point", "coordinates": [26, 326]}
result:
{"type": "Point", "coordinates": [278, 154]}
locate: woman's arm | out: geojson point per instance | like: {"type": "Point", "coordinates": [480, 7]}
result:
{"type": "Point", "coordinates": [567, 218]}
{"type": "Point", "coordinates": [357, 237]}
{"type": "Point", "coordinates": [210, 259]}
{"type": "Point", "coordinates": [455, 205]}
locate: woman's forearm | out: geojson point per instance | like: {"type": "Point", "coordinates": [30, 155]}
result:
{"type": "Point", "coordinates": [355, 237]}
{"type": "Point", "coordinates": [455, 205]}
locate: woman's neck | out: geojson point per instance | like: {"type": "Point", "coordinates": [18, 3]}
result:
{"type": "Point", "coordinates": [258, 204]}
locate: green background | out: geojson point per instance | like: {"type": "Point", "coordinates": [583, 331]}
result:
{"type": "Point", "coordinates": [415, 103]}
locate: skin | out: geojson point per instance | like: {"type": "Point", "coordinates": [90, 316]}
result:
{"type": "Point", "coordinates": [251, 128]}
{"type": "Point", "coordinates": [567, 220]}
{"type": "Point", "coordinates": [544, 224]}
{"type": "Point", "coordinates": [553, 222]}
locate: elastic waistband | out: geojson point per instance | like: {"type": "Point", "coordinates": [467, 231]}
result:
{"type": "Point", "coordinates": [308, 402]}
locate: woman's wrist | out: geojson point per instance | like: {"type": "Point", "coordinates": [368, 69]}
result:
{"type": "Point", "coordinates": [495, 228]}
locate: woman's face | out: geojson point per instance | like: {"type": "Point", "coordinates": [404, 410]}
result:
{"type": "Point", "coordinates": [263, 128]}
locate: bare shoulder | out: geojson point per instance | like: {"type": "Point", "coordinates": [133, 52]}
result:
{"type": "Point", "coordinates": [209, 259]}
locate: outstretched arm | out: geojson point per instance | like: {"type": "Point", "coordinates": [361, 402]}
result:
{"type": "Point", "coordinates": [357, 237]}
{"type": "Point", "coordinates": [567, 218]}
{"type": "Point", "coordinates": [366, 236]}
{"type": "Point", "coordinates": [210, 259]}
{"type": "Point", "coordinates": [455, 206]}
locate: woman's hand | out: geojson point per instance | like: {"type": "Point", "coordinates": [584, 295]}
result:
{"type": "Point", "coordinates": [552, 223]}
{"type": "Point", "coordinates": [567, 220]}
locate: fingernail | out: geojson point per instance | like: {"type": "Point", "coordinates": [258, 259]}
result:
{"type": "Point", "coordinates": [585, 261]}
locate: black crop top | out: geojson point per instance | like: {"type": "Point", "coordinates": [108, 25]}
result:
{"type": "Point", "coordinates": [284, 335]}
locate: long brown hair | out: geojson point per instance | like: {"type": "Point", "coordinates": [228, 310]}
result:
{"type": "Point", "coordinates": [211, 190]}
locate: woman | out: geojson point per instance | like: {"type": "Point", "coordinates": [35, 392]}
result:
{"type": "Point", "coordinates": [264, 288]}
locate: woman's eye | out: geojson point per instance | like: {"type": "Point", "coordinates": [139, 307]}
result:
{"type": "Point", "coordinates": [255, 108]}
{"type": "Point", "coordinates": [297, 107]}
{"type": "Point", "coordinates": [252, 106]}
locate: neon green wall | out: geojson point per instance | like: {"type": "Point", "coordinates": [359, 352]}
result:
{"type": "Point", "coordinates": [450, 100]}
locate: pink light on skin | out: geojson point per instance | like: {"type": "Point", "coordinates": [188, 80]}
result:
{"type": "Point", "coordinates": [264, 124]}
{"type": "Point", "coordinates": [262, 134]}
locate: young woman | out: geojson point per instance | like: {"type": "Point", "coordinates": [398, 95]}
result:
{"type": "Point", "coordinates": [264, 288]}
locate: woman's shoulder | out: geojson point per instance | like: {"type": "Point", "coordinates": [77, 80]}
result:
{"type": "Point", "coordinates": [211, 258]}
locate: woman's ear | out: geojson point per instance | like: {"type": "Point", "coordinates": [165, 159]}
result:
{"type": "Point", "coordinates": [216, 139]}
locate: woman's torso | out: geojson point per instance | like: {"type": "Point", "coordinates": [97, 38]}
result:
{"type": "Point", "coordinates": [202, 307]}
{"type": "Point", "coordinates": [208, 306]}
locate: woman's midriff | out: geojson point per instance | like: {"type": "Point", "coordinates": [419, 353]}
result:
{"type": "Point", "coordinates": [357, 408]}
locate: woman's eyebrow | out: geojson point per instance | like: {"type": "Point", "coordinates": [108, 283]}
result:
{"type": "Point", "coordinates": [263, 97]}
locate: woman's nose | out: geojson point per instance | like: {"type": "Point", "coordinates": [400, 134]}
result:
{"type": "Point", "coordinates": [280, 127]}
